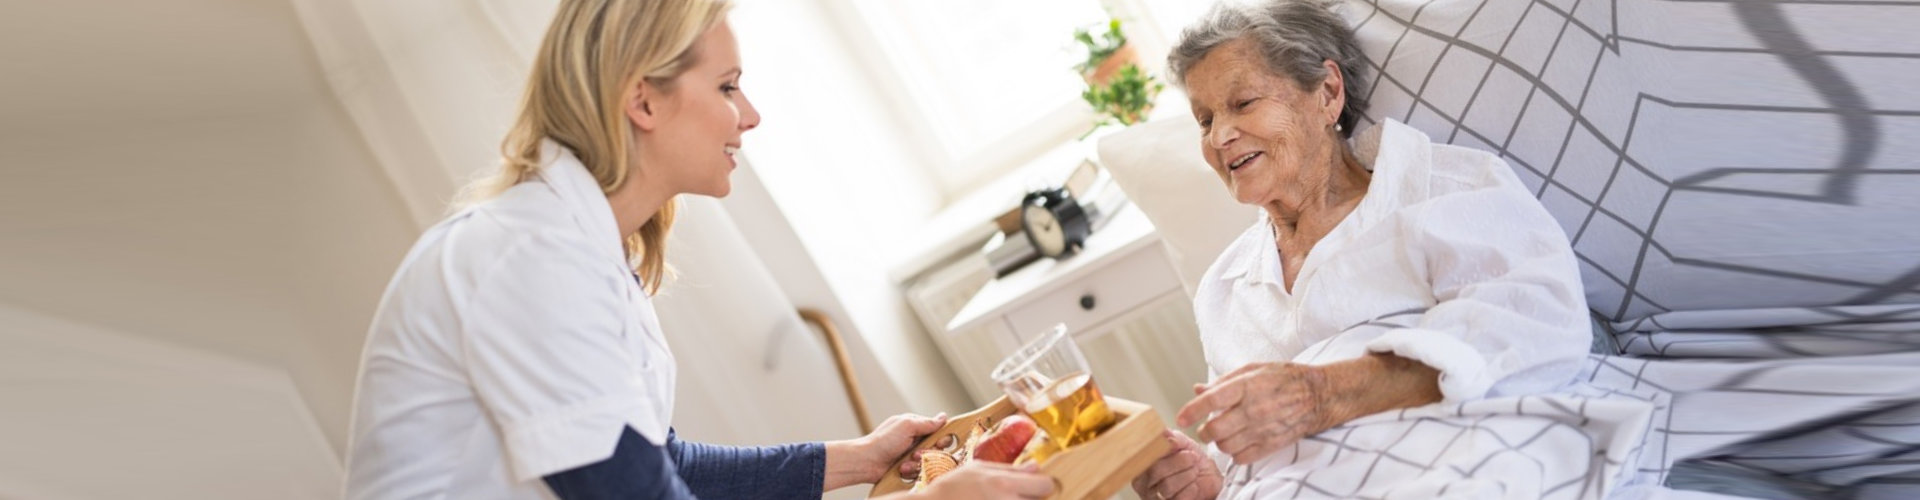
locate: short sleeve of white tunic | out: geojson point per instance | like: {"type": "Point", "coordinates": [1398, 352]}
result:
{"type": "Point", "coordinates": [547, 351]}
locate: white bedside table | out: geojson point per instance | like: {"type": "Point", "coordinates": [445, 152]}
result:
{"type": "Point", "coordinates": [1121, 301]}
{"type": "Point", "coordinates": [1121, 269]}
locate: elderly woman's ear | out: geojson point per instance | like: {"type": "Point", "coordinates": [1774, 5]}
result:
{"type": "Point", "coordinates": [1333, 93]}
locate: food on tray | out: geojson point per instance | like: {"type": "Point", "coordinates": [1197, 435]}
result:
{"type": "Point", "coordinates": [1103, 466]}
{"type": "Point", "coordinates": [933, 463]}
{"type": "Point", "coordinates": [1037, 450]}
{"type": "Point", "coordinates": [1003, 443]}
{"type": "Point", "coordinates": [1007, 441]}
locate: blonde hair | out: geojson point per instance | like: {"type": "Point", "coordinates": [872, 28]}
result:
{"type": "Point", "coordinates": [594, 54]}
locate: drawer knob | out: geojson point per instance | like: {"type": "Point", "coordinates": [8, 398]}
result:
{"type": "Point", "coordinates": [1086, 302]}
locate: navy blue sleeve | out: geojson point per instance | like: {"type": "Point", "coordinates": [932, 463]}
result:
{"type": "Point", "coordinates": [683, 470]}
{"type": "Point", "coordinates": [757, 472]}
{"type": "Point", "coordinates": [637, 470]}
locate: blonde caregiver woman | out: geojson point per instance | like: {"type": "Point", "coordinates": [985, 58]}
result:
{"type": "Point", "coordinates": [516, 353]}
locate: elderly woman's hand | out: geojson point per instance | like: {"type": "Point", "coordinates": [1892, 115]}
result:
{"type": "Point", "coordinates": [1263, 408]}
{"type": "Point", "coordinates": [1259, 409]}
{"type": "Point", "coordinates": [1184, 473]}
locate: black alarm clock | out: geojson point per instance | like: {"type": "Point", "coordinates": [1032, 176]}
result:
{"type": "Point", "coordinates": [1054, 222]}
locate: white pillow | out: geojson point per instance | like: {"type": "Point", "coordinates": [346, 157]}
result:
{"type": "Point", "coordinates": [1158, 165]}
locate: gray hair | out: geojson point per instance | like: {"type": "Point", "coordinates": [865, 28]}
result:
{"type": "Point", "coordinates": [1295, 36]}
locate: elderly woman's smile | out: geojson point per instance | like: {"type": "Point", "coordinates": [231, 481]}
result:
{"type": "Point", "coordinates": [1242, 160]}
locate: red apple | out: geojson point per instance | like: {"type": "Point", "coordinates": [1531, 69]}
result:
{"type": "Point", "coordinates": [1007, 441]}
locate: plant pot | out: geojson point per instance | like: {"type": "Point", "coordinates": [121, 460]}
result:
{"type": "Point", "coordinates": [1111, 65]}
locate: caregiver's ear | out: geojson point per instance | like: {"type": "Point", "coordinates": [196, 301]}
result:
{"type": "Point", "coordinates": [1332, 91]}
{"type": "Point", "coordinates": [643, 105]}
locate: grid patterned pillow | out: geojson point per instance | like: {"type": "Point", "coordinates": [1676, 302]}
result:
{"type": "Point", "coordinates": [1701, 156]}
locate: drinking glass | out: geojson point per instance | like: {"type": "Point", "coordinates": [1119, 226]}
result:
{"type": "Point", "coordinates": [1048, 380]}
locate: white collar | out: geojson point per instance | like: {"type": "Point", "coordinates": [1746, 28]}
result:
{"type": "Point", "coordinates": [568, 177]}
{"type": "Point", "coordinates": [1392, 150]}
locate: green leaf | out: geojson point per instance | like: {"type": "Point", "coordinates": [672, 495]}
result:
{"type": "Point", "coordinates": [1099, 50]}
{"type": "Point", "coordinates": [1125, 99]}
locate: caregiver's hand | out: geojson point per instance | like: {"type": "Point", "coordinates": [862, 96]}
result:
{"type": "Point", "coordinates": [865, 459]}
{"type": "Point", "coordinates": [1263, 408]}
{"type": "Point", "coordinates": [979, 479]}
{"type": "Point", "coordinates": [1184, 473]}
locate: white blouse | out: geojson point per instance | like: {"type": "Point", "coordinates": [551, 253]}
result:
{"type": "Point", "coordinates": [1447, 260]}
{"type": "Point", "coordinates": [513, 343]}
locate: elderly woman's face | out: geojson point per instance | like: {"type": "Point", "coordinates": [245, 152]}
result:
{"type": "Point", "coordinates": [1259, 130]}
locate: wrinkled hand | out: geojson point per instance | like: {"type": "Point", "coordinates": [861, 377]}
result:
{"type": "Point", "coordinates": [1184, 473]}
{"type": "Point", "coordinates": [1259, 409]}
{"type": "Point", "coordinates": [978, 479]}
{"type": "Point", "coordinates": [888, 442]}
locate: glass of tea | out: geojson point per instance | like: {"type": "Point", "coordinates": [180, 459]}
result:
{"type": "Point", "coordinates": [1048, 379]}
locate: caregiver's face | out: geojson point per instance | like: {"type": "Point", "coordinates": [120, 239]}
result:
{"type": "Point", "coordinates": [1259, 130]}
{"type": "Point", "coordinates": [703, 115]}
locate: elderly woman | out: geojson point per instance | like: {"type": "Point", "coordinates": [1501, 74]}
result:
{"type": "Point", "coordinates": [1389, 272]}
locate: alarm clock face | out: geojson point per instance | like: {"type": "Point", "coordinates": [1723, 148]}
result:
{"type": "Point", "coordinates": [1045, 231]}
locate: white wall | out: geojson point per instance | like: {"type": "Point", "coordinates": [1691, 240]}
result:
{"type": "Point", "coordinates": [262, 238]}
{"type": "Point", "coordinates": [840, 162]}
{"type": "Point", "coordinates": [94, 413]}
{"type": "Point", "coordinates": [180, 173]}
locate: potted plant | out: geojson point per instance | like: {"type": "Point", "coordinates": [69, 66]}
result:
{"type": "Point", "coordinates": [1117, 88]}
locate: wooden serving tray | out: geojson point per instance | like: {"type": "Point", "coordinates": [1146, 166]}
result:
{"type": "Point", "coordinates": [1092, 470]}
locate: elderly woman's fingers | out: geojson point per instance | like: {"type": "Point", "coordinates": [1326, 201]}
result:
{"type": "Point", "coordinates": [1186, 473]}
{"type": "Point", "coordinates": [1265, 400]}
{"type": "Point", "coordinates": [1226, 423]}
{"type": "Point", "coordinates": [1234, 444]}
{"type": "Point", "coordinates": [1250, 381]}
{"type": "Point", "coordinates": [1178, 480]}
{"type": "Point", "coordinates": [1165, 468]}
{"type": "Point", "coordinates": [1188, 491]}
{"type": "Point", "coordinates": [1175, 460]}
{"type": "Point", "coordinates": [1179, 441]}
{"type": "Point", "coordinates": [1168, 486]}
{"type": "Point", "coordinates": [1255, 444]}
{"type": "Point", "coordinates": [1142, 487]}
{"type": "Point", "coordinates": [1220, 396]}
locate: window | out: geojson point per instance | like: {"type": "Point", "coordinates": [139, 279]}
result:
{"type": "Point", "coordinates": [1164, 19]}
{"type": "Point", "coordinates": [992, 79]}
